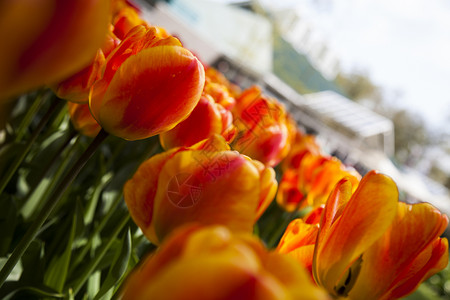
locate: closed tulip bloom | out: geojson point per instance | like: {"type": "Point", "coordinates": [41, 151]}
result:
{"type": "Point", "coordinates": [207, 118]}
{"type": "Point", "coordinates": [206, 183]}
{"type": "Point", "coordinates": [213, 264]}
{"type": "Point", "coordinates": [214, 76]}
{"type": "Point", "coordinates": [46, 41]}
{"type": "Point", "coordinates": [149, 85]}
{"type": "Point", "coordinates": [220, 94]}
{"type": "Point", "coordinates": [82, 120]}
{"type": "Point", "coordinates": [262, 127]}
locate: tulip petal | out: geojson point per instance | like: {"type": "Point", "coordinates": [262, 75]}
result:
{"type": "Point", "coordinates": [299, 241]}
{"type": "Point", "coordinates": [150, 93]}
{"type": "Point", "coordinates": [344, 237]}
{"type": "Point", "coordinates": [402, 257]}
{"type": "Point", "coordinates": [204, 121]}
{"type": "Point", "coordinates": [139, 192]}
{"type": "Point", "coordinates": [189, 185]}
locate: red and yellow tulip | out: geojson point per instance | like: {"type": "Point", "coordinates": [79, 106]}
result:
{"type": "Point", "coordinates": [149, 85]}
{"type": "Point", "coordinates": [206, 183]}
{"type": "Point", "coordinates": [213, 264]}
{"type": "Point", "coordinates": [312, 181]}
{"type": "Point", "coordinates": [369, 245]}
{"type": "Point", "coordinates": [45, 41]}
{"type": "Point", "coordinates": [207, 118]}
{"type": "Point", "coordinates": [262, 128]}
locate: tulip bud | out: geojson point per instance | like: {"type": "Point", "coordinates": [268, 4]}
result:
{"type": "Point", "coordinates": [206, 183]}
{"type": "Point", "coordinates": [82, 120]}
{"type": "Point", "coordinates": [207, 118]}
{"type": "Point", "coordinates": [213, 264]}
{"type": "Point", "coordinates": [149, 85]}
{"type": "Point", "coordinates": [262, 129]}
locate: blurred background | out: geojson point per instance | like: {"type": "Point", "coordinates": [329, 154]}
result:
{"type": "Point", "coordinates": [370, 77]}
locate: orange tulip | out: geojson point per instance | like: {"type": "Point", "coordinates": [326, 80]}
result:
{"type": "Point", "coordinates": [212, 264]}
{"type": "Point", "coordinates": [370, 246]}
{"type": "Point", "coordinates": [150, 84]}
{"type": "Point", "coordinates": [207, 118]}
{"type": "Point", "coordinates": [220, 94]}
{"type": "Point", "coordinates": [82, 120]}
{"type": "Point", "coordinates": [301, 145]}
{"type": "Point", "coordinates": [46, 41]}
{"type": "Point", "coordinates": [214, 76]}
{"type": "Point", "coordinates": [206, 183]}
{"type": "Point", "coordinates": [325, 177]}
{"type": "Point", "coordinates": [312, 181]}
{"type": "Point", "coordinates": [299, 241]}
{"type": "Point", "coordinates": [125, 19]}
{"type": "Point", "coordinates": [289, 195]}
{"type": "Point", "coordinates": [262, 129]}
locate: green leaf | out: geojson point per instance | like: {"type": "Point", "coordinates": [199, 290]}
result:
{"type": "Point", "coordinates": [8, 221]}
{"type": "Point", "coordinates": [118, 267]}
{"type": "Point", "coordinates": [33, 264]}
{"type": "Point", "coordinates": [92, 204]}
{"type": "Point", "coordinates": [56, 274]}
{"type": "Point", "coordinates": [29, 291]}
{"type": "Point", "coordinates": [7, 155]}
{"type": "Point", "coordinates": [93, 285]}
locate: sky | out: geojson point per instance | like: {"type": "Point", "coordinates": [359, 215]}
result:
{"type": "Point", "coordinates": [404, 46]}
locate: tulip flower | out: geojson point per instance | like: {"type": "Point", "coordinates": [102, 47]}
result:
{"type": "Point", "coordinates": [125, 19]}
{"type": "Point", "coordinates": [82, 120]}
{"type": "Point", "coordinates": [206, 183]}
{"type": "Point", "coordinates": [46, 41]}
{"type": "Point", "coordinates": [289, 196]}
{"type": "Point", "coordinates": [207, 118]}
{"type": "Point", "coordinates": [368, 245]}
{"type": "Point", "coordinates": [262, 129]}
{"type": "Point", "coordinates": [216, 77]}
{"type": "Point", "coordinates": [301, 145]}
{"type": "Point", "coordinates": [299, 242]}
{"type": "Point", "coordinates": [220, 94]}
{"type": "Point", "coordinates": [312, 181]}
{"type": "Point", "coordinates": [213, 264]}
{"type": "Point", "coordinates": [149, 85]}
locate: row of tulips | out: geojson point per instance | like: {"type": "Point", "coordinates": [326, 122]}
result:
{"type": "Point", "coordinates": [200, 199]}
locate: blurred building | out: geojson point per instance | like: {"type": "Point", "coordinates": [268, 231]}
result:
{"type": "Point", "coordinates": [301, 33]}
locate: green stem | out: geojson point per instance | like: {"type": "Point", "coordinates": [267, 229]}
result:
{"type": "Point", "coordinates": [16, 163]}
{"type": "Point", "coordinates": [49, 206]}
{"type": "Point", "coordinates": [32, 110]}
{"type": "Point", "coordinates": [99, 256]}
